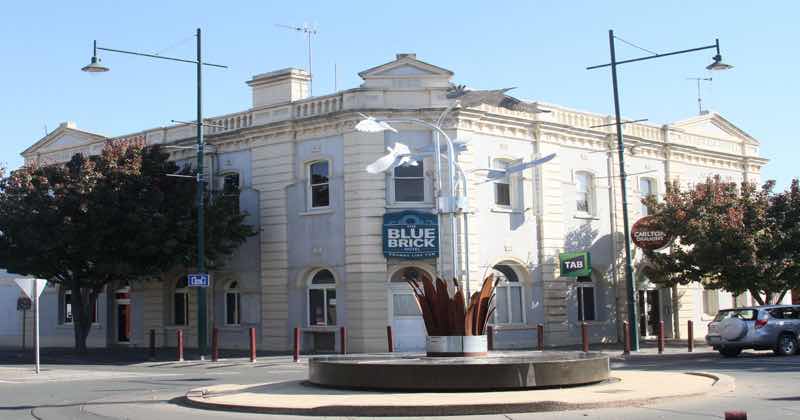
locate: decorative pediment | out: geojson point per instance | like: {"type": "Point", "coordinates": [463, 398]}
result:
{"type": "Point", "coordinates": [406, 72]}
{"type": "Point", "coordinates": [714, 125]}
{"type": "Point", "coordinates": [63, 141]}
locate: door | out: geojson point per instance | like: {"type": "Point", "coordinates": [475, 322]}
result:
{"type": "Point", "coordinates": [122, 301]}
{"type": "Point", "coordinates": [408, 327]}
{"type": "Point", "coordinates": [649, 306]}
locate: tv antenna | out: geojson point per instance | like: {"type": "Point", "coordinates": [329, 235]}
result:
{"type": "Point", "coordinates": [699, 96]}
{"type": "Point", "coordinates": [308, 30]}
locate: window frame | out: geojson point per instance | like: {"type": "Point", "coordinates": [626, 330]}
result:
{"type": "Point", "coordinates": [580, 296]}
{"type": "Point", "coordinates": [427, 196]}
{"type": "Point", "coordinates": [63, 312]}
{"type": "Point", "coordinates": [310, 185]}
{"type": "Point", "coordinates": [591, 193]}
{"type": "Point", "coordinates": [184, 292]}
{"type": "Point", "coordinates": [653, 191]}
{"type": "Point", "coordinates": [223, 176]}
{"type": "Point", "coordinates": [326, 288]}
{"type": "Point", "coordinates": [505, 286]}
{"type": "Point", "coordinates": [503, 163]}
{"type": "Point", "coordinates": [705, 297]}
{"type": "Point", "coordinates": [232, 288]}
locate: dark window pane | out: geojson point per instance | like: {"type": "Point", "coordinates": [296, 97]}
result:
{"type": "Point", "coordinates": [232, 308]}
{"type": "Point", "coordinates": [320, 196]}
{"type": "Point", "coordinates": [331, 306]}
{"type": "Point", "coordinates": [586, 304]}
{"type": "Point", "coordinates": [323, 277]}
{"type": "Point", "coordinates": [582, 203]}
{"type": "Point", "coordinates": [316, 307]}
{"type": "Point", "coordinates": [319, 173]}
{"type": "Point", "coordinates": [181, 311]}
{"type": "Point", "coordinates": [409, 171]}
{"type": "Point", "coordinates": [67, 308]}
{"type": "Point", "coordinates": [508, 272]}
{"type": "Point", "coordinates": [410, 190]}
{"type": "Point", "coordinates": [230, 184]}
{"type": "Point", "coordinates": [502, 194]}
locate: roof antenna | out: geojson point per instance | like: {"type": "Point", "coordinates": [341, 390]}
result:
{"type": "Point", "coordinates": [699, 98]}
{"type": "Point", "coordinates": [309, 30]}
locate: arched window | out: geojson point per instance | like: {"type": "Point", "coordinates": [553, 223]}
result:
{"type": "Point", "coordinates": [646, 189]}
{"type": "Point", "coordinates": [319, 184]}
{"type": "Point", "coordinates": [584, 193]}
{"type": "Point", "coordinates": [405, 304]}
{"type": "Point", "coordinates": [502, 186]}
{"type": "Point", "coordinates": [509, 308]}
{"type": "Point", "coordinates": [322, 299]}
{"type": "Point", "coordinates": [233, 309]}
{"type": "Point", "coordinates": [180, 302]}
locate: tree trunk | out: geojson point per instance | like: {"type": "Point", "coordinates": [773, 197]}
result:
{"type": "Point", "coordinates": [756, 296]}
{"type": "Point", "coordinates": [82, 304]}
{"type": "Point", "coordinates": [782, 295]}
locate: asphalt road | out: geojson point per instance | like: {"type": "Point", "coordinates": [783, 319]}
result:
{"type": "Point", "coordinates": [767, 387]}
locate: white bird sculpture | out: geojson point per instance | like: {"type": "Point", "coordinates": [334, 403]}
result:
{"type": "Point", "coordinates": [399, 155]}
{"type": "Point", "coordinates": [495, 174]}
{"type": "Point", "coordinates": [371, 125]}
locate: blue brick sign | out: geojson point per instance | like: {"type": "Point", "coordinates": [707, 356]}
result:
{"type": "Point", "coordinates": [410, 234]}
{"type": "Point", "coordinates": [198, 280]}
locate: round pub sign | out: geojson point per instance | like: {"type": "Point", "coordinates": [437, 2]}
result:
{"type": "Point", "coordinates": [646, 234]}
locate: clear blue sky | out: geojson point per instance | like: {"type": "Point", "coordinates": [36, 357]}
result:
{"type": "Point", "coordinates": [542, 47]}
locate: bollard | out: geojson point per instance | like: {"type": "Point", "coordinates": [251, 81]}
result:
{"type": "Point", "coordinates": [585, 337]}
{"type": "Point", "coordinates": [180, 345]}
{"type": "Point", "coordinates": [490, 337]}
{"type": "Point", "coordinates": [252, 345]}
{"type": "Point", "coordinates": [296, 353]}
{"type": "Point", "coordinates": [627, 333]}
{"type": "Point", "coordinates": [735, 415]}
{"type": "Point", "coordinates": [389, 340]}
{"type": "Point", "coordinates": [343, 340]}
{"type": "Point", "coordinates": [660, 337]}
{"type": "Point", "coordinates": [152, 355]}
{"type": "Point", "coordinates": [540, 337]}
{"type": "Point", "coordinates": [691, 336]}
{"type": "Point", "coordinates": [215, 344]}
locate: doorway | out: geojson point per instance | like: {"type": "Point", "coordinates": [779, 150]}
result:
{"type": "Point", "coordinates": [122, 302]}
{"type": "Point", "coordinates": [654, 306]}
{"type": "Point", "coordinates": [404, 315]}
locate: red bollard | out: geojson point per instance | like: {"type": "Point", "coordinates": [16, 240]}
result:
{"type": "Point", "coordinates": [180, 345]}
{"type": "Point", "coordinates": [735, 415]}
{"type": "Point", "coordinates": [490, 337]}
{"type": "Point", "coordinates": [660, 337]}
{"type": "Point", "coordinates": [296, 353]}
{"type": "Point", "coordinates": [627, 333]}
{"type": "Point", "coordinates": [691, 336]}
{"type": "Point", "coordinates": [152, 353]}
{"type": "Point", "coordinates": [389, 338]}
{"type": "Point", "coordinates": [540, 337]}
{"type": "Point", "coordinates": [215, 344]}
{"type": "Point", "coordinates": [343, 340]}
{"type": "Point", "coordinates": [585, 337]}
{"type": "Point", "coordinates": [252, 345]}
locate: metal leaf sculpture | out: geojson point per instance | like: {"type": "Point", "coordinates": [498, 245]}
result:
{"type": "Point", "coordinates": [452, 315]}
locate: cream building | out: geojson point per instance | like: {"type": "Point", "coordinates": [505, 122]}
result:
{"type": "Point", "coordinates": [319, 264]}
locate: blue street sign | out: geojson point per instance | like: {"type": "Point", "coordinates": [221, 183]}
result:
{"type": "Point", "coordinates": [198, 280]}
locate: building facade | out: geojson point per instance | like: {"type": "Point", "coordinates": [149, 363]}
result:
{"type": "Point", "coordinates": [319, 261]}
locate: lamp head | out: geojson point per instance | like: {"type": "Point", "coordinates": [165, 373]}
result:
{"type": "Point", "coordinates": [95, 66]}
{"type": "Point", "coordinates": [718, 64]}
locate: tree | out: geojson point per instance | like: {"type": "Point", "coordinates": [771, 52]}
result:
{"type": "Point", "coordinates": [113, 217]}
{"type": "Point", "coordinates": [733, 237]}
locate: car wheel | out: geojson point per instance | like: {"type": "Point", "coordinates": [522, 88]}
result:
{"type": "Point", "coordinates": [730, 351]}
{"type": "Point", "coordinates": [787, 345]}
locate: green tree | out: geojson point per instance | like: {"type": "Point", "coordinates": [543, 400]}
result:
{"type": "Point", "coordinates": [733, 237]}
{"type": "Point", "coordinates": [112, 217]}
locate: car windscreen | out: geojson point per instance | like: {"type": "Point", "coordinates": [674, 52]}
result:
{"type": "Point", "coordinates": [745, 314]}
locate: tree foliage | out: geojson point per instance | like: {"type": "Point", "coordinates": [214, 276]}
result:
{"type": "Point", "coordinates": [733, 237]}
{"type": "Point", "coordinates": [112, 217]}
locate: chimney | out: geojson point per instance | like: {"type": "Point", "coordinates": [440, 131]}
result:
{"type": "Point", "coordinates": [280, 86]}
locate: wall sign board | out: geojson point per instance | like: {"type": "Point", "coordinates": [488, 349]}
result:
{"type": "Point", "coordinates": [410, 234]}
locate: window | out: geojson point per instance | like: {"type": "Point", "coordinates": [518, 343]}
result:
{"type": "Point", "coordinates": [409, 183]}
{"type": "Point", "coordinates": [230, 190]}
{"type": "Point", "coordinates": [586, 306]}
{"type": "Point", "coordinates": [509, 296]}
{"type": "Point", "coordinates": [319, 184]}
{"type": "Point", "coordinates": [584, 192]}
{"type": "Point", "coordinates": [322, 299]}
{"type": "Point", "coordinates": [710, 302]}
{"type": "Point", "coordinates": [646, 189]}
{"type": "Point", "coordinates": [180, 302]}
{"type": "Point", "coordinates": [66, 313]}
{"type": "Point", "coordinates": [233, 309]}
{"type": "Point", "coordinates": [502, 186]}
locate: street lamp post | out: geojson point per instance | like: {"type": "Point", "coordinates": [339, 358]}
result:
{"type": "Point", "coordinates": [95, 67]}
{"type": "Point", "coordinates": [717, 64]}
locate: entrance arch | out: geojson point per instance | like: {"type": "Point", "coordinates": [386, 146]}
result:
{"type": "Point", "coordinates": [404, 316]}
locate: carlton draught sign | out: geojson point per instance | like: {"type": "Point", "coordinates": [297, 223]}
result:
{"type": "Point", "coordinates": [647, 235]}
{"type": "Point", "coordinates": [410, 234]}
